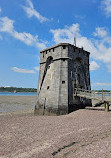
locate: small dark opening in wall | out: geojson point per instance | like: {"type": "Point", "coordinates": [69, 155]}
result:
{"type": "Point", "coordinates": [49, 50]}
{"type": "Point", "coordinates": [43, 55]}
{"type": "Point", "coordinates": [53, 49]}
{"type": "Point", "coordinates": [47, 87]}
{"type": "Point", "coordinates": [63, 59]}
{"type": "Point", "coordinates": [49, 67]}
{"type": "Point", "coordinates": [46, 52]}
{"type": "Point", "coordinates": [64, 47]}
{"type": "Point", "coordinates": [63, 82]}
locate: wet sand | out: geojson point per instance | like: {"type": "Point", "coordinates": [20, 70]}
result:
{"type": "Point", "coordinates": [17, 104]}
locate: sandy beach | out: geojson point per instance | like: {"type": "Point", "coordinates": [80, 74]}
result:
{"type": "Point", "coordinates": [81, 134]}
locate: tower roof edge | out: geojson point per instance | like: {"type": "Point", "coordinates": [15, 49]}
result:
{"type": "Point", "coordinates": [61, 44]}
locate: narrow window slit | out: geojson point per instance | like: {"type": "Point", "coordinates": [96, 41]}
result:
{"type": "Point", "coordinates": [48, 87]}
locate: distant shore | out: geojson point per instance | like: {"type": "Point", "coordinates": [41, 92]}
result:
{"type": "Point", "coordinates": [17, 89]}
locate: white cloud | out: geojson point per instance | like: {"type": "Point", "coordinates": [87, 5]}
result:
{"type": "Point", "coordinates": [29, 9]}
{"type": "Point", "coordinates": [0, 9]}
{"type": "Point", "coordinates": [109, 67]}
{"type": "Point", "coordinates": [106, 6]}
{"type": "Point", "coordinates": [79, 16]}
{"type": "Point", "coordinates": [7, 25]}
{"type": "Point", "coordinates": [1, 37]}
{"type": "Point", "coordinates": [66, 34]}
{"type": "Point", "coordinates": [100, 32]}
{"type": "Point", "coordinates": [94, 66]}
{"type": "Point", "coordinates": [16, 69]}
{"type": "Point", "coordinates": [101, 84]}
{"type": "Point", "coordinates": [36, 68]}
{"type": "Point", "coordinates": [100, 49]}
{"type": "Point", "coordinates": [37, 57]}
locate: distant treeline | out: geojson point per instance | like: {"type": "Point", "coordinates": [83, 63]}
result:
{"type": "Point", "coordinates": [102, 90]}
{"type": "Point", "coordinates": [15, 89]}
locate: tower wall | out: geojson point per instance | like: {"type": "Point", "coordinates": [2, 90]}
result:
{"type": "Point", "coordinates": [78, 77]}
{"type": "Point", "coordinates": [52, 94]}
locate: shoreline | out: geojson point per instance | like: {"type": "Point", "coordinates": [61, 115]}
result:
{"type": "Point", "coordinates": [17, 104]}
{"type": "Point", "coordinates": [10, 105]}
{"type": "Point", "coordinates": [18, 94]}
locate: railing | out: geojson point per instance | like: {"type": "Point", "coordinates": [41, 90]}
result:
{"type": "Point", "coordinates": [102, 96]}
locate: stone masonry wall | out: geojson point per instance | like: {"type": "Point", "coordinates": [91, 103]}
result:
{"type": "Point", "coordinates": [62, 68]}
{"type": "Point", "coordinates": [53, 96]}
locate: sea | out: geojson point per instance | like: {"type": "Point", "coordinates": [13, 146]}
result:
{"type": "Point", "coordinates": [18, 94]}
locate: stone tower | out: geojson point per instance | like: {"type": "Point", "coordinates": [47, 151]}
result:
{"type": "Point", "coordinates": [63, 68]}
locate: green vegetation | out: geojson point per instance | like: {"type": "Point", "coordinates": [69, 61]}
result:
{"type": "Point", "coordinates": [101, 90]}
{"type": "Point", "coordinates": [15, 89]}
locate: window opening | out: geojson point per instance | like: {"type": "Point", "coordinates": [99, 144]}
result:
{"type": "Point", "coordinates": [64, 47]}
{"type": "Point", "coordinates": [79, 78]}
{"type": "Point", "coordinates": [48, 87]}
{"type": "Point", "coordinates": [63, 82]}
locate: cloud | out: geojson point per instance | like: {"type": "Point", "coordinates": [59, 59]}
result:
{"type": "Point", "coordinates": [0, 9]}
{"type": "Point", "coordinates": [16, 69]}
{"type": "Point", "coordinates": [101, 84]}
{"type": "Point", "coordinates": [37, 57]}
{"type": "Point", "coordinates": [36, 68]}
{"type": "Point", "coordinates": [65, 35]}
{"type": "Point", "coordinates": [7, 25]}
{"type": "Point", "coordinates": [106, 6]}
{"type": "Point", "coordinates": [109, 67]}
{"type": "Point", "coordinates": [100, 48]}
{"type": "Point", "coordinates": [29, 9]}
{"type": "Point", "coordinates": [1, 37]}
{"type": "Point", "coordinates": [79, 16]}
{"type": "Point", "coordinates": [100, 32]}
{"type": "Point", "coordinates": [94, 66]}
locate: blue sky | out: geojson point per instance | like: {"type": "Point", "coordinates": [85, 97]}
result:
{"type": "Point", "coordinates": [27, 26]}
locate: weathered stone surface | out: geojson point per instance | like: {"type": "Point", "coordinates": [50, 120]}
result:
{"type": "Point", "coordinates": [63, 68]}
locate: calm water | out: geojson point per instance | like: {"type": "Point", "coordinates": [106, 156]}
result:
{"type": "Point", "coordinates": [18, 94]}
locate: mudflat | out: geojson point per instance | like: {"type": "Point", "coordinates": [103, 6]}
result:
{"type": "Point", "coordinates": [17, 104]}
{"type": "Point", "coordinates": [81, 134]}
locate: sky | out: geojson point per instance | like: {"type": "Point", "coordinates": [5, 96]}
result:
{"type": "Point", "coordinates": [28, 26]}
